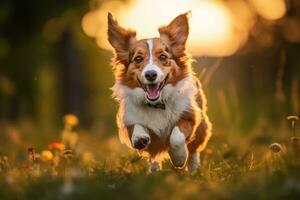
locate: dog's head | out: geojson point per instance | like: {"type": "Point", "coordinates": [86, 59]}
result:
{"type": "Point", "coordinates": [150, 63]}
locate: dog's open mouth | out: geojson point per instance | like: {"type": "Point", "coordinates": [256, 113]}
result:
{"type": "Point", "coordinates": [153, 91]}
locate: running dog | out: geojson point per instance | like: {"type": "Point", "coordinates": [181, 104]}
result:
{"type": "Point", "coordinates": [162, 107]}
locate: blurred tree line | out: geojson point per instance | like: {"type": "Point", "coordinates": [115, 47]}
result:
{"type": "Point", "coordinates": [48, 67]}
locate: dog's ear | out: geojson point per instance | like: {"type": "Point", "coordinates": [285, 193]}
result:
{"type": "Point", "coordinates": [176, 33]}
{"type": "Point", "coordinates": [120, 39]}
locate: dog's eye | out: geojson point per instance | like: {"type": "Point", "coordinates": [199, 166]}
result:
{"type": "Point", "coordinates": [162, 57]}
{"type": "Point", "coordinates": [138, 59]}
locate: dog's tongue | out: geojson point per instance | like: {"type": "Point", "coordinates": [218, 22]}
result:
{"type": "Point", "coordinates": [152, 91]}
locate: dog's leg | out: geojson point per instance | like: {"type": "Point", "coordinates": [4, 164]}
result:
{"type": "Point", "coordinates": [177, 150]}
{"type": "Point", "coordinates": [186, 126]}
{"type": "Point", "coordinates": [154, 166]}
{"type": "Point", "coordinates": [193, 162]}
{"type": "Point", "coordinates": [140, 137]}
{"type": "Point", "coordinates": [198, 143]}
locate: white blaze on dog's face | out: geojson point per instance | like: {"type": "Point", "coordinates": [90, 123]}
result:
{"type": "Point", "coordinates": [152, 76]}
{"type": "Point", "coordinates": [150, 63]}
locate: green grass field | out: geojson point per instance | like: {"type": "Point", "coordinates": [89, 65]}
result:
{"type": "Point", "coordinates": [81, 166]}
{"type": "Point", "coordinates": [55, 59]}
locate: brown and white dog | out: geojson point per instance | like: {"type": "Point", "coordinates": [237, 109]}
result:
{"type": "Point", "coordinates": [162, 106]}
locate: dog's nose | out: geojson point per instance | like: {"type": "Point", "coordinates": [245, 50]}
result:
{"type": "Point", "coordinates": [151, 75]}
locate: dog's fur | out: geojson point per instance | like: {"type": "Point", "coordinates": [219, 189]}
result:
{"type": "Point", "coordinates": [181, 126]}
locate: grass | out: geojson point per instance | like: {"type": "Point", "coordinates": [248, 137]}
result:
{"type": "Point", "coordinates": [261, 165]}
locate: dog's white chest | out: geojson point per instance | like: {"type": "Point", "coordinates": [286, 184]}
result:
{"type": "Point", "coordinates": [156, 119]}
{"type": "Point", "coordinates": [177, 99]}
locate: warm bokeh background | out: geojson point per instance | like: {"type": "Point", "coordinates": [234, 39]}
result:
{"type": "Point", "coordinates": [55, 60]}
{"type": "Point", "coordinates": [247, 56]}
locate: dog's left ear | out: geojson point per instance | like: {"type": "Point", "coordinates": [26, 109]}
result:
{"type": "Point", "coordinates": [120, 39]}
{"type": "Point", "coordinates": [176, 33]}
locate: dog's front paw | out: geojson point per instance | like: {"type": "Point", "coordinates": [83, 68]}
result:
{"type": "Point", "coordinates": [178, 156]}
{"type": "Point", "coordinates": [177, 150]}
{"type": "Point", "coordinates": [141, 142]}
{"type": "Point", "coordinates": [140, 137]}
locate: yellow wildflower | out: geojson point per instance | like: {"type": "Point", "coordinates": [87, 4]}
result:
{"type": "Point", "coordinates": [46, 155]}
{"type": "Point", "coordinates": [71, 119]}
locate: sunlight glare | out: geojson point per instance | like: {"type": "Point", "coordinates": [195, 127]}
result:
{"type": "Point", "coordinates": [213, 29]}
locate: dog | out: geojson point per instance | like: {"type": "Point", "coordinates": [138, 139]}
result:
{"type": "Point", "coordinates": [162, 107]}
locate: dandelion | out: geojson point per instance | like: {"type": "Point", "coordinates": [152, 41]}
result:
{"type": "Point", "coordinates": [71, 120]}
{"type": "Point", "coordinates": [275, 147]}
{"type": "Point", "coordinates": [292, 117]}
{"type": "Point", "coordinates": [70, 138]}
{"type": "Point", "coordinates": [56, 145]}
{"type": "Point", "coordinates": [274, 157]}
{"type": "Point", "coordinates": [46, 155]}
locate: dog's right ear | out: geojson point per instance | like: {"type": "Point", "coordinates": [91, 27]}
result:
{"type": "Point", "coordinates": [120, 39]}
{"type": "Point", "coordinates": [176, 33]}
